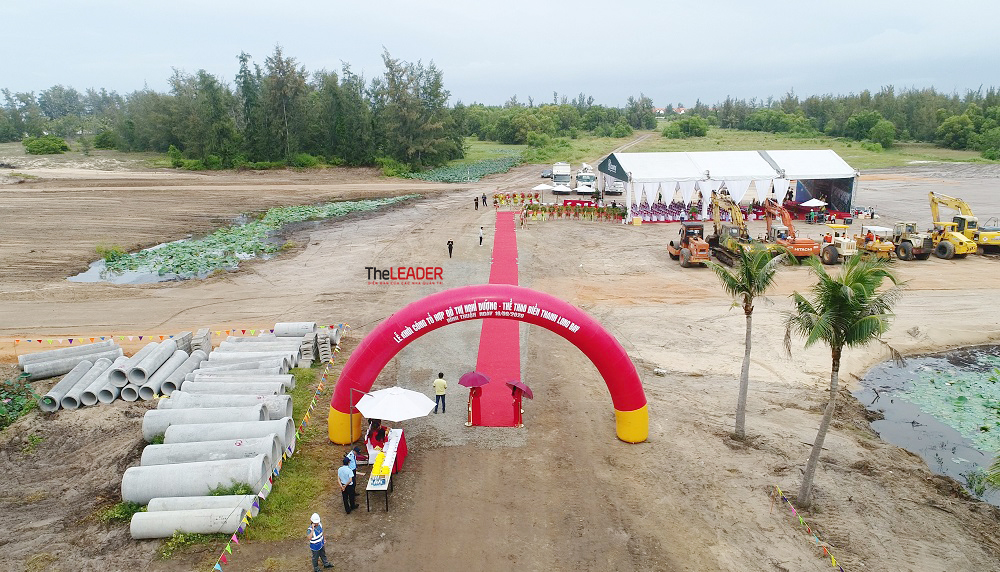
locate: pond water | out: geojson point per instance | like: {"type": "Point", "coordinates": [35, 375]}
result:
{"type": "Point", "coordinates": [944, 407]}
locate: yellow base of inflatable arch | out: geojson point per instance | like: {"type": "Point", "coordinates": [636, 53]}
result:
{"type": "Point", "coordinates": [632, 426]}
{"type": "Point", "coordinates": [344, 429]}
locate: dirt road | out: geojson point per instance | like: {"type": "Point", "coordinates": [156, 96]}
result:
{"type": "Point", "coordinates": [563, 493]}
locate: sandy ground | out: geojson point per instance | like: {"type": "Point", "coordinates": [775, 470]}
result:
{"type": "Point", "coordinates": [561, 494]}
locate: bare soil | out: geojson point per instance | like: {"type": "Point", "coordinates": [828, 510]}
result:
{"type": "Point", "coordinates": [560, 494]}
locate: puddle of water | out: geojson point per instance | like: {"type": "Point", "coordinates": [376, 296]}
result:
{"type": "Point", "coordinates": [944, 407]}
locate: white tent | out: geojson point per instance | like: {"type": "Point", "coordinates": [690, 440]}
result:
{"type": "Point", "coordinates": [648, 174]}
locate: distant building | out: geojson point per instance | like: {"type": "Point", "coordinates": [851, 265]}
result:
{"type": "Point", "coordinates": [680, 110]}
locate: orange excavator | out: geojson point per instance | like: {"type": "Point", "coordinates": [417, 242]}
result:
{"type": "Point", "coordinates": [784, 233]}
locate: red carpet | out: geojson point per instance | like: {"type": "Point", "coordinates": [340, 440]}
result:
{"type": "Point", "coordinates": [500, 343]}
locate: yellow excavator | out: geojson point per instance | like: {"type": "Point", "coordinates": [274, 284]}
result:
{"type": "Point", "coordinates": [732, 235]}
{"type": "Point", "coordinates": [965, 223]}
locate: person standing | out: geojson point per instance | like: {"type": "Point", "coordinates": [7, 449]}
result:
{"type": "Point", "coordinates": [476, 200]}
{"type": "Point", "coordinates": [346, 477]}
{"type": "Point", "coordinates": [440, 387]}
{"type": "Point", "coordinates": [484, 200]}
{"type": "Point", "coordinates": [451, 244]}
{"type": "Point", "coordinates": [516, 393]}
{"type": "Point", "coordinates": [480, 236]}
{"type": "Point", "coordinates": [352, 457]}
{"type": "Point", "coordinates": [317, 543]}
{"type": "Point", "coordinates": [475, 411]}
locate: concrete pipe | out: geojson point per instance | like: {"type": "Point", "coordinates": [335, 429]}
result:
{"type": "Point", "coordinates": [183, 341]}
{"type": "Point", "coordinates": [291, 357]}
{"type": "Point", "coordinates": [224, 388]}
{"type": "Point", "coordinates": [130, 392]}
{"type": "Point", "coordinates": [163, 524]}
{"type": "Point", "coordinates": [293, 329]}
{"type": "Point", "coordinates": [119, 375]}
{"type": "Point", "coordinates": [62, 366]}
{"type": "Point", "coordinates": [156, 421]}
{"type": "Point", "coordinates": [249, 364]}
{"type": "Point", "coordinates": [51, 400]}
{"type": "Point", "coordinates": [266, 338]}
{"type": "Point", "coordinates": [140, 484]}
{"type": "Point", "coordinates": [109, 393]}
{"type": "Point", "coordinates": [196, 452]}
{"type": "Point", "coordinates": [269, 371]}
{"type": "Point", "coordinates": [277, 406]}
{"type": "Point", "coordinates": [176, 378]}
{"type": "Point", "coordinates": [284, 428]}
{"type": "Point", "coordinates": [89, 395]}
{"type": "Point", "coordinates": [62, 353]}
{"type": "Point", "coordinates": [72, 398]}
{"type": "Point", "coordinates": [245, 502]}
{"type": "Point", "coordinates": [288, 380]}
{"type": "Point", "coordinates": [290, 344]}
{"type": "Point", "coordinates": [140, 372]}
{"type": "Point", "coordinates": [153, 383]}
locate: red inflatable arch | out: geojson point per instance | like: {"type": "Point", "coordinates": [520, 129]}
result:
{"type": "Point", "coordinates": [491, 301]}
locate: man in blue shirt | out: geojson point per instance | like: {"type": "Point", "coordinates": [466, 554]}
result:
{"type": "Point", "coordinates": [317, 544]}
{"type": "Point", "coordinates": [346, 477]}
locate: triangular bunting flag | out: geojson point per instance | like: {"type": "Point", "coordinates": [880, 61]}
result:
{"type": "Point", "coordinates": [243, 331]}
{"type": "Point", "coordinates": [240, 529]}
{"type": "Point", "coordinates": [256, 504]}
{"type": "Point", "coordinates": [129, 338]}
{"type": "Point", "coordinates": [50, 342]}
{"type": "Point", "coordinates": [17, 341]}
{"type": "Point", "coordinates": [297, 436]}
{"type": "Point", "coordinates": [284, 456]}
{"type": "Point", "coordinates": [161, 338]}
{"type": "Point", "coordinates": [227, 332]}
{"type": "Point", "coordinates": [92, 340]}
{"type": "Point", "coordinates": [246, 520]}
{"type": "Point", "coordinates": [270, 480]}
{"type": "Point", "coordinates": [71, 341]}
{"type": "Point", "coordinates": [61, 340]}
{"type": "Point", "coordinates": [272, 331]}
{"type": "Point", "coordinates": [261, 493]}
{"type": "Point", "coordinates": [275, 471]}
{"type": "Point", "coordinates": [218, 332]}
{"type": "Point", "coordinates": [39, 341]}
{"type": "Point", "coordinates": [234, 539]}
{"type": "Point", "coordinates": [833, 561]}
{"type": "Point", "coordinates": [223, 559]}
{"type": "Point", "coordinates": [252, 332]}
{"type": "Point", "coordinates": [217, 567]}
{"type": "Point", "coordinates": [229, 548]}
{"type": "Point", "coordinates": [140, 338]}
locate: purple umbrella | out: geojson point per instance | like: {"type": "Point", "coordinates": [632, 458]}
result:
{"type": "Point", "coordinates": [473, 379]}
{"type": "Point", "coordinates": [522, 386]}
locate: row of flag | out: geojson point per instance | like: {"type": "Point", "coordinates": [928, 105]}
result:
{"type": "Point", "coordinates": [826, 552]}
{"type": "Point", "coordinates": [266, 488]}
{"type": "Point", "coordinates": [122, 338]}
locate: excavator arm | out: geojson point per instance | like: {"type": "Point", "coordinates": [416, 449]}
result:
{"type": "Point", "coordinates": [773, 210]}
{"type": "Point", "coordinates": [938, 200]}
{"type": "Point", "coordinates": [720, 201]}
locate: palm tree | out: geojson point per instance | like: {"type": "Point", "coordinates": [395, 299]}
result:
{"type": "Point", "coordinates": [750, 279]}
{"type": "Point", "coordinates": [845, 311]}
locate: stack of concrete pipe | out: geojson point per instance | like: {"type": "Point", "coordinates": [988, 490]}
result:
{"type": "Point", "coordinates": [53, 363]}
{"type": "Point", "coordinates": [227, 422]}
{"type": "Point", "coordinates": [144, 375]}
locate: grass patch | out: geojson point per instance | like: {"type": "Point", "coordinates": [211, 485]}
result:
{"type": "Point", "coordinates": [476, 150]}
{"type": "Point", "coordinates": [17, 398]}
{"type": "Point", "coordinates": [39, 562]}
{"type": "Point", "coordinates": [900, 154]}
{"type": "Point", "coordinates": [33, 442]}
{"type": "Point", "coordinates": [179, 541]}
{"type": "Point", "coordinates": [156, 440]}
{"type": "Point", "coordinates": [304, 478]}
{"type": "Point", "coordinates": [233, 489]}
{"type": "Point", "coordinates": [110, 252]}
{"type": "Point", "coordinates": [121, 512]}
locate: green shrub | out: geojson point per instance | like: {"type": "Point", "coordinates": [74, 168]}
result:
{"type": "Point", "coordinates": [335, 161]}
{"type": "Point", "coordinates": [110, 253]}
{"type": "Point", "coordinates": [991, 154]}
{"type": "Point", "coordinates": [304, 160]}
{"type": "Point", "coordinates": [193, 164]}
{"type": "Point", "coordinates": [45, 145]}
{"type": "Point", "coordinates": [874, 147]}
{"type": "Point", "coordinates": [213, 162]}
{"type": "Point", "coordinates": [391, 167]}
{"type": "Point", "coordinates": [16, 399]}
{"type": "Point", "coordinates": [673, 131]}
{"type": "Point", "coordinates": [180, 541]}
{"type": "Point", "coordinates": [621, 130]}
{"type": "Point", "coordinates": [121, 512]}
{"type": "Point", "coordinates": [105, 140]}
{"type": "Point", "coordinates": [174, 154]}
{"type": "Point", "coordinates": [267, 165]}
{"type": "Point", "coordinates": [536, 139]}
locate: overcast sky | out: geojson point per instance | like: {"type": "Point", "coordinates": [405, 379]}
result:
{"type": "Point", "coordinates": [672, 52]}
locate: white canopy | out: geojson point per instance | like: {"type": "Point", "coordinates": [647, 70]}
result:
{"type": "Point", "coordinates": [542, 187]}
{"type": "Point", "coordinates": [811, 164]}
{"type": "Point", "coordinates": [733, 165]}
{"type": "Point", "coordinates": [654, 167]}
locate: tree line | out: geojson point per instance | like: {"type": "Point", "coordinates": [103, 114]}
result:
{"type": "Point", "coordinates": [969, 121]}
{"type": "Point", "coordinates": [271, 113]}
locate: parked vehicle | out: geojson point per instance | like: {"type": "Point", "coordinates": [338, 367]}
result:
{"type": "Point", "coordinates": [838, 245]}
{"type": "Point", "coordinates": [561, 177]}
{"type": "Point", "coordinates": [966, 223]}
{"type": "Point", "coordinates": [949, 243]}
{"type": "Point", "coordinates": [784, 233]}
{"type": "Point", "coordinates": [615, 188]}
{"type": "Point", "coordinates": [585, 180]}
{"type": "Point", "coordinates": [911, 244]}
{"type": "Point", "coordinates": [547, 174]}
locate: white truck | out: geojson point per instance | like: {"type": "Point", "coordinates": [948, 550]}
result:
{"type": "Point", "coordinates": [585, 179]}
{"type": "Point", "coordinates": [561, 179]}
{"type": "Point", "coordinates": [616, 187]}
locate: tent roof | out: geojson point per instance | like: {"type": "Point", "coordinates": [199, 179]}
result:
{"type": "Point", "coordinates": [811, 164]}
{"type": "Point", "coordinates": [654, 167]}
{"type": "Point", "coordinates": [732, 165]}
{"type": "Point", "coordinates": [723, 165]}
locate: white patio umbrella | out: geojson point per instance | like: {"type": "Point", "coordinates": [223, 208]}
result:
{"type": "Point", "coordinates": [814, 203]}
{"type": "Point", "coordinates": [395, 404]}
{"type": "Point", "coordinates": [561, 189]}
{"type": "Point", "coordinates": [542, 187]}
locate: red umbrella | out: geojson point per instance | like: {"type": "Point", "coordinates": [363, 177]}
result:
{"type": "Point", "coordinates": [473, 379]}
{"type": "Point", "coordinates": [522, 386]}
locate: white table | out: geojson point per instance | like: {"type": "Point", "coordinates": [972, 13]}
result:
{"type": "Point", "coordinates": [383, 483]}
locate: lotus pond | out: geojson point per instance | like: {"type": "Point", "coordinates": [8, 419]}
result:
{"type": "Point", "coordinates": [944, 407]}
{"type": "Point", "coordinates": [257, 237]}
